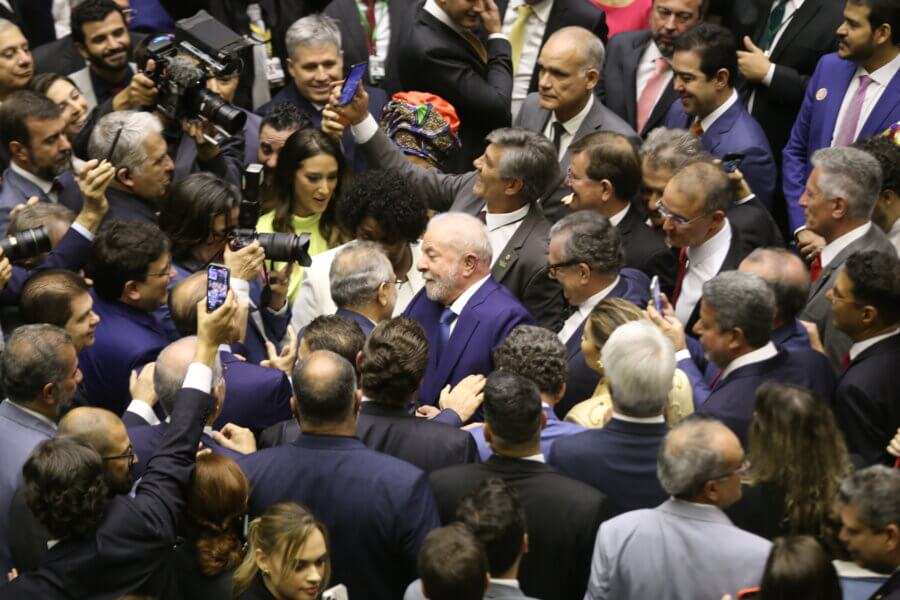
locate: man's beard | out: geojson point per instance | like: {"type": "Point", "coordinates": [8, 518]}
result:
{"type": "Point", "coordinates": [118, 486]}
{"type": "Point", "coordinates": [51, 172]}
{"type": "Point", "coordinates": [440, 289]}
{"type": "Point", "coordinates": [100, 63]}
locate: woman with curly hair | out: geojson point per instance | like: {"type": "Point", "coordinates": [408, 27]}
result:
{"type": "Point", "coordinates": [797, 459]}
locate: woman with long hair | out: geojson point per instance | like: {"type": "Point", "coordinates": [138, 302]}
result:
{"type": "Point", "coordinates": [798, 568]}
{"type": "Point", "coordinates": [797, 459]}
{"type": "Point", "coordinates": [308, 179]}
{"type": "Point", "coordinates": [287, 556]}
{"type": "Point", "coordinates": [66, 94]}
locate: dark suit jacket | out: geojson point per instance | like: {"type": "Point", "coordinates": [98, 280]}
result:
{"type": "Point", "coordinates": [131, 550]}
{"type": "Point", "coordinates": [619, 460]}
{"type": "Point", "coordinates": [867, 401]}
{"type": "Point", "coordinates": [755, 224]}
{"type": "Point", "coordinates": [33, 17]}
{"type": "Point", "coordinates": [760, 510]}
{"type": "Point", "coordinates": [633, 286]}
{"type": "Point", "coordinates": [438, 60]}
{"type": "Point", "coordinates": [127, 207]}
{"type": "Point", "coordinates": [491, 313]}
{"type": "Point", "coordinates": [421, 442]}
{"type": "Point", "coordinates": [17, 190]}
{"type": "Point", "coordinates": [251, 138]}
{"type": "Point", "coordinates": [72, 252]}
{"type": "Point", "coordinates": [792, 336]}
{"type": "Point", "coordinates": [618, 81]}
{"type": "Point", "coordinates": [532, 116]}
{"type": "Point", "coordinates": [227, 165]}
{"type": "Point", "coordinates": [255, 397]}
{"type": "Point", "coordinates": [377, 509]}
{"type": "Point", "coordinates": [736, 131]}
{"type": "Point", "coordinates": [28, 539]}
{"type": "Point", "coordinates": [562, 517]}
{"type": "Point", "coordinates": [363, 321]}
{"type": "Point", "coordinates": [646, 250]}
{"type": "Point", "coordinates": [145, 439]}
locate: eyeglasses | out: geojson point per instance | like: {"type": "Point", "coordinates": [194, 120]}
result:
{"type": "Point", "coordinates": [164, 273]}
{"type": "Point", "coordinates": [570, 177]}
{"type": "Point", "coordinates": [129, 14]}
{"type": "Point", "coordinates": [665, 213]}
{"type": "Point", "coordinates": [743, 468]}
{"type": "Point", "coordinates": [552, 269]}
{"type": "Point", "coordinates": [129, 454]}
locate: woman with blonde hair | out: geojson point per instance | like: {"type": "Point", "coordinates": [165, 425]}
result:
{"type": "Point", "coordinates": [287, 556]}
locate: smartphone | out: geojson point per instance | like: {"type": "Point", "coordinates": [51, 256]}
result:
{"type": "Point", "coordinates": [338, 592]}
{"type": "Point", "coordinates": [217, 279]}
{"type": "Point", "coordinates": [732, 161]}
{"type": "Point", "coordinates": [654, 292]}
{"type": "Point", "coordinates": [354, 78]}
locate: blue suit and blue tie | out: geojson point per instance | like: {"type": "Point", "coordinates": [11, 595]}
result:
{"type": "Point", "coordinates": [17, 190]}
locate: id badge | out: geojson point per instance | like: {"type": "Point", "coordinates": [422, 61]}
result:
{"type": "Point", "coordinates": [274, 71]}
{"type": "Point", "coordinates": [376, 69]}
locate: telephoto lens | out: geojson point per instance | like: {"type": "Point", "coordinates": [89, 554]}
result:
{"type": "Point", "coordinates": [27, 244]}
{"type": "Point", "coordinates": [286, 247]}
{"type": "Point", "coordinates": [216, 109]}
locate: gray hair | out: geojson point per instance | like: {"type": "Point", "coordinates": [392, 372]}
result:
{"type": "Point", "coordinates": [684, 467]}
{"type": "Point", "coordinates": [527, 156]}
{"type": "Point", "coordinates": [33, 358]}
{"type": "Point", "coordinates": [478, 244]}
{"type": "Point", "coordinates": [356, 272]}
{"type": "Point", "coordinates": [639, 362]}
{"type": "Point", "coordinates": [874, 491]}
{"type": "Point", "coordinates": [671, 149]}
{"type": "Point", "coordinates": [130, 151]}
{"type": "Point", "coordinates": [851, 174]}
{"type": "Point", "coordinates": [742, 301]}
{"type": "Point", "coordinates": [312, 30]}
{"type": "Point", "coordinates": [790, 292]}
{"type": "Point", "coordinates": [172, 367]}
{"type": "Point", "coordinates": [592, 239]}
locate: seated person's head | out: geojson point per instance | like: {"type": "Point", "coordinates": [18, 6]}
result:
{"type": "Point", "coordinates": [887, 153]}
{"type": "Point", "coordinates": [518, 166]}
{"type": "Point", "coordinates": [704, 67]}
{"type": "Point", "coordinates": [799, 568]}
{"type": "Point", "coordinates": [325, 395]}
{"type": "Point", "coordinates": [453, 564]}
{"type": "Point", "coordinates": [131, 263]}
{"type": "Point", "coordinates": [585, 255]}
{"type": "Point", "coordinates": [393, 361]}
{"type": "Point", "coordinates": [282, 120]}
{"type": "Point", "coordinates": [103, 431]}
{"type": "Point", "coordinates": [694, 203]}
{"type": "Point", "coordinates": [870, 517]}
{"type": "Point", "coordinates": [382, 207]}
{"type": "Point", "coordinates": [169, 372]}
{"type": "Point", "coordinates": [315, 59]}
{"type": "Point", "coordinates": [664, 152]}
{"type": "Point", "coordinates": [639, 363]}
{"type": "Point", "coordinates": [61, 298]}
{"type": "Point", "coordinates": [33, 132]}
{"type": "Point", "coordinates": [16, 66]}
{"type": "Point", "coordinates": [536, 354]}
{"type": "Point", "coordinates": [569, 68]}
{"type": "Point", "coordinates": [786, 274]}
{"type": "Point", "coordinates": [56, 218]}
{"type": "Point", "coordinates": [456, 253]}
{"type": "Point", "coordinates": [423, 126]}
{"type": "Point", "coordinates": [605, 318]}
{"type": "Point", "coordinates": [841, 191]}
{"type": "Point", "coordinates": [363, 280]}
{"type": "Point", "coordinates": [605, 172]}
{"type": "Point", "coordinates": [495, 516]}
{"type": "Point", "coordinates": [197, 216]}
{"type": "Point", "coordinates": [865, 299]}
{"type": "Point", "coordinates": [66, 95]}
{"type": "Point", "coordinates": [143, 166]}
{"type": "Point", "coordinates": [340, 335]}
{"type": "Point", "coordinates": [513, 417]}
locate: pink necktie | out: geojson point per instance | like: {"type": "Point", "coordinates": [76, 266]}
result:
{"type": "Point", "coordinates": [847, 132]}
{"type": "Point", "coordinates": [651, 92]}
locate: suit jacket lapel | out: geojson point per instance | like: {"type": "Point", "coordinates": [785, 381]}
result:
{"type": "Point", "coordinates": [573, 344]}
{"type": "Point", "coordinates": [432, 22]}
{"type": "Point", "coordinates": [631, 67]}
{"type": "Point", "coordinates": [350, 16]}
{"type": "Point", "coordinates": [763, 8]}
{"type": "Point", "coordinates": [878, 118]}
{"type": "Point", "coordinates": [459, 339]}
{"type": "Point", "coordinates": [721, 127]}
{"type": "Point", "coordinates": [510, 253]}
{"type": "Point", "coordinates": [836, 90]}
{"type": "Point", "coordinates": [803, 16]}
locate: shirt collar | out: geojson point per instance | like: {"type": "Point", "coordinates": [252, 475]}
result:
{"type": "Point", "coordinates": [34, 414]}
{"type": "Point", "coordinates": [495, 221]}
{"type": "Point", "coordinates": [883, 75]}
{"type": "Point", "coordinates": [535, 458]}
{"type": "Point", "coordinates": [627, 419]}
{"type": "Point", "coordinates": [438, 13]}
{"type": "Point", "coordinates": [711, 247]}
{"type": "Point", "coordinates": [574, 124]}
{"type": "Point", "coordinates": [585, 308]}
{"type": "Point", "coordinates": [541, 9]}
{"type": "Point", "coordinates": [707, 121]}
{"type": "Point", "coordinates": [513, 583]}
{"type": "Point", "coordinates": [460, 303]}
{"type": "Point", "coordinates": [760, 354]}
{"type": "Point", "coordinates": [830, 251]}
{"type": "Point", "coordinates": [617, 218]}
{"type": "Point", "coordinates": [652, 53]}
{"type": "Point", "coordinates": [42, 184]}
{"type": "Point", "coordinates": [860, 347]}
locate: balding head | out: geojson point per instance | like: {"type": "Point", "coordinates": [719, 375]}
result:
{"type": "Point", "coordinates": [172, 367]}
{"type": "Point", "coordinates": [325, 393]}
{"type": "Point", "coordinates": [786, 274]}
{"type": "Point", "coordinates": [183, 301]}
{"type": "Point", "coordinates": [103, 431]}
{"type": "Point", "coordinates": [697, 197]}
{"type": "Point", "coordinates": [456, 253]}
{"type": "Point", "coordinates": [568, 70]}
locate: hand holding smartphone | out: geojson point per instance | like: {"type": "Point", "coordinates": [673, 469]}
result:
{"type": "Point", "coordinates": [655, 293]}
{"type": "Point", "coordinates": [731, 161]}
{"type": "Point", "coordinates": [217, 282]}
{"type": "Point", "coordinates": [354, 78]}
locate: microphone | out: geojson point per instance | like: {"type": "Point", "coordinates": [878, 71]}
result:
{"type": "Point", "coordinates": [184, 72]}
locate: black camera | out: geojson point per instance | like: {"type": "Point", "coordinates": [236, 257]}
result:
{"type": "Point", "coordinates": [201, 48]}
{"type": "Point", "coordinates": [280, 247]}
{"type": "Point", "coordinates": [28, 244]}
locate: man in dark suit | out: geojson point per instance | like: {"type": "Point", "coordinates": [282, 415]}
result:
{"type": "Point", "coordinates": [363, 284]}
{"type": "Point", "coordinates": [443, 54]}
{"type": "Point", "coordinates": [564, 108]}
{"type": "Point", "coordinates": [562, 514]}
{"type": "Point", "coordinates": [865, 304]}
{"type": "Point", "coordinates": [586, 257]}
{"type": "Point", "coordinates": [34, 18]}
{"type": "Point", "coordinates": [111, 547]}
{"type": "Point", "coordinates": [751, 218]}
{"type": "Point", "coordinates": [637, 74]}
{"type": "Point", "coordinates": [620, 458]}
{"type": "Point", "coordinates": [505, 196]}
{"type": "Point", "coordinates": [705, 67]}
{"type": "Point", "coordinates": [32, 131]}
{"type": "Point", "coordinates": [377, 509]}
{"type": "Point", "coordinates": [464, 311]}
{"type": "Point", "coordinates": [840, 195]}
{"type": "Point", "coordinates": [16, 72]}
{"type": "Point", "coordinates": [834, 111]}
{"type": "Point", "coordinates": [226, 86]}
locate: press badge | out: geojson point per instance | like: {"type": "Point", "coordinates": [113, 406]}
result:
{"type": "Point", "coordinates": [274, 72]}
{"type": "Point", "coordinates": [376, 69]}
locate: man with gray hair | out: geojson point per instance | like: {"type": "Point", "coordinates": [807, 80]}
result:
{"type": "Point", "coordinates": [840, 195]}
{"type": "Point", "coordinates": [464, 311]}
{"type": "Point", "coordinates": [315, 61]}
{"type": "Point", "coordinates": [363, 284]}
{"type": "Point", "coordinates": [664, 152]}
{"type": "Point", "coordinates": [586, 258]}
{"type": "Point", "coordinates": [641, 554]}
{"type": "Point", "coordinates": [870, 523]}
{"type": "Point", "coordinates": [618, 459]}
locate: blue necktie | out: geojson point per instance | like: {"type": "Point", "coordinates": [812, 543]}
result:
{"type": "Point", "coordinates": [447, 318]}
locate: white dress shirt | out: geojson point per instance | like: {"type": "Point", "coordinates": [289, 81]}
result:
{"type": "Point", "coordinates": [382, 25]}
{"type": "Point", "coordinates": [704, 263]}
{"type": "Point", "coordinates": [460, 303]}
{"type": "Point", "coordinates": [880, 80]}
{"type": "Point", "coordinates": [617, 218]}
{"type": "Point", "coordinates": [646, 420]}
{"type": "Point", "coordinates": [501, 227]}
{"type": "Point", "coordinates": [830, 251]}
{"type": "Point", "coordinates": [42, 184]}
{"type": "Point", "coordinates": [860, 347]}
{"type": "Point", "coordinates": [581, 313]}
{"type": "Point", "coordinates": [645, 70]}
{"type": "Point", "coordinates": [571, 127]}
{"type": "Point", "coordinates": [534, 35]}
{"type": "Point", "coordinates": [707, 121]}
{"type": "Point", "coordinates": [760, 354]}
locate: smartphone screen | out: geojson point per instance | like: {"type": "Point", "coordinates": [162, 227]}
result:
{"type": "Point", "coordinates": [216, 286]}
{"type": "Point", "coordinates": [731, 161]}
{"type": "Point", "coordinates": [352, 82]}
{"type": "Point", "coordinates": [654, 292]}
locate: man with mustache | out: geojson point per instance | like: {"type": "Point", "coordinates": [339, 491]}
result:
{"type": "Point", "coordinates": [100, 33]}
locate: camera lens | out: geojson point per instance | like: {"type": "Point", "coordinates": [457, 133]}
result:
{"type": "Point", "coordinates": [286, 247]}
{"type": "Point", "coordinates": [27, 244]}
{"type": "Point", "coordinates": [224, 114]}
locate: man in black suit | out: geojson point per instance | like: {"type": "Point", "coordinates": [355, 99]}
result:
{"type": "Point", "coordinates": [33, 17]}
{"type": "Point", "coordinates": [562, 514]}
{"type": "Point", "coordinates": [637, 74]}
{"type": "Point", "coordinates": [751, 217]}
{"type": "Point", "coordinates": [865, 305]}
{"type": "Point", "coordinates": [443, 54]}
{"type": "Point", "coordinates": [111, 547]}
{"type": "Point", "coordinates": [16, 64]}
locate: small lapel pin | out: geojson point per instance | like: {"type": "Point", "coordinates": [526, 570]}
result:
{"type": "Point", "coordinates": [821, 94]}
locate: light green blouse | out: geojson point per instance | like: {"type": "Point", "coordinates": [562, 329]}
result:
{"type": "Point", "coordinates": [317, 244]}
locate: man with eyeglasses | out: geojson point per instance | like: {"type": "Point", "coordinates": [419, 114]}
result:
{"type": "Point", "coordinates": [363, 284]}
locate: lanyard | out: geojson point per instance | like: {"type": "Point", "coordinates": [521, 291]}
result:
{"type": "Point", "coordinates": [371, 29]}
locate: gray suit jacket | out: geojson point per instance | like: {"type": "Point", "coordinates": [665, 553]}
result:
{"type": "Point", "coordinates": [818, 307]}
{"type": "Point", "coordinates": [599, 118]}
{"type": "Point", "coordinates": [82, 80]}
{"type": "Point", "coordinates": [674, 551]}
{"type": "Point", "coordinates": [20, 432]}
{"type": "Point", "coordinates": [494, 590]}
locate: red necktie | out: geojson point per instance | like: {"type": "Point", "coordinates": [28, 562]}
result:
{"type": "Point", "coordinates": [370, 19]}
{"type": "Point", "coordinates": [715, 380]}
{"type": "Point", "coordinates": [697, 128]}
{"type": "Point", "coordinates": [815, 268]}
{"type": "Point", "coordinates": [845, 360]}
{"type": "Point", "coordinates": [682, 269]}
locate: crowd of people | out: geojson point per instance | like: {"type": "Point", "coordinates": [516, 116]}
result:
{"type": "Point", "coordinates": [564, 300]}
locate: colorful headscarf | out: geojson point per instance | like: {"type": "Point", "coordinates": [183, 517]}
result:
{"type": "Point", "coordinates": [893, 133]}
{"type": "Point", "coordinates": [422, 125]}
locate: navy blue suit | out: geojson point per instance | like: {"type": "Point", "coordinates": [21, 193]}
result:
{"type": "Point", "coordinates": [791, 336]}
{"type": "Point", "coordinates": [145, 439]}
{"type": "Point", "coordinates": [736, 131]}
{"type": "Point", "coordinates": [377, 509]}
{"type": "Point", "coordinates": [491, 313]}
{"type": "Point", "coordinates": [633, 286]}
{"type": "Point", "coordinates": [255, 397]}
{"type": "Point", "coordinates": [17, 190]}
{"type": "Point", "coordinates": [363, 321]}
{"type": "Point", "coordinates": [127, 207]}
{"type": "Point", "coordinates": [126, 338]}
{"type": "Point", "coordinates": [619, 460]}
{"type": "Point", "coordinates": [291, 95]}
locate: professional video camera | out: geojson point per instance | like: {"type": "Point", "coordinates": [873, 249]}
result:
{"type": "Point", "coordinates": [281, 247]}
{"type": "Point", "coordinates": [201, 48]}
{"type": "Point", "coordinates": [27, 244]}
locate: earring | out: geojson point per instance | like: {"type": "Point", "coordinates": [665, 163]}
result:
{"type": "Point", "coordinates": [265, 573]}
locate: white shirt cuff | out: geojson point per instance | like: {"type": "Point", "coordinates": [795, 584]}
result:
{"type": "Point", "coordinates": [498, 36]}
{"type": "Point", "coordinates": [682, 355]}
{"type": "Point", "coordinates": [83, 231]}
{"type": "Point", "coordinates": [144, 411]}
{"type": "Point", "coordinates": [241, 289]}
{"type": "Point", "coordinates": [364, 131]}
{"type": "Point", "coordinates": [199, 377]}
{"type": "Point", "coordinates": [767, 80]}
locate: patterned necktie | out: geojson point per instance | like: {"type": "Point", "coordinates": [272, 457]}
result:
{"type": "Point", "coordinates": [697, 128]}
{"type": "Point", "coordinates": [847, 132]}
{"type": "Point", "coordinates": [651, 92]}
{"type": "Point", "coordinates": [446, 319]}
{"type": "Point", "coordinates": [517, 34]}
{"type": "Point", "coordinates": [775, 19]}
{"type": "Point", "coordinates": [682, 271]}
{"type": "Point", "coordinates": [815, 268]}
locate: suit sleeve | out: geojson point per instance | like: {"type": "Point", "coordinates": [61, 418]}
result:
{"type": "Point", "coordinates": [599, 582]}
{"type": "Point", "coordinates": [863, 419]}
{"type": "Point", "coordinates": [414, 522]}
{"type": "Point", "coordinates": [758, 168]}
{"type": "Point", "coordinates": [71, 253]}
{"type": "Point", "coordinates": [309, 302]}
{"type": "Point", "coordinates": [795, 158]}
{"type": "Point", "coordinates": [229, 162]}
